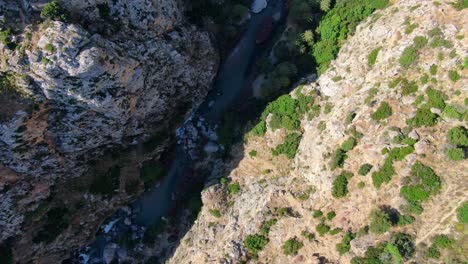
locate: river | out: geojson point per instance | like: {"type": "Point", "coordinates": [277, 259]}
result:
{"type": "Point", "coordinates": [229, 85]}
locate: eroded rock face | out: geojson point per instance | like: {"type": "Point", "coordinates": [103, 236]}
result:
{"type": "Point", "coordinates": [114, 75]}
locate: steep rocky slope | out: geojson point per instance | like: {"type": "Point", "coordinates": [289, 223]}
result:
{"type": "Point", "coordinates": [391, 100]}
{"type": "Point", "coordinates": [78, 98]}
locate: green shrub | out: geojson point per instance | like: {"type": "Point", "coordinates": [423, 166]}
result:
{"type": "Point", "coordinates": [420, 42]}
{"type": "Point", "coordinates": [292, 246]}
{"type": "Point", "coordinates": [365, 169]}
{"type": "Point", "coordinates": [255, 243]}
{"type": "Point", "coordinates": [436, 98]}
{"type": "Point", "coordinates": [361, 185]}
{"type": "Point", "coordinates": [412, 208]}
{"type": "Point", "coordinates": [383, 112]}
{"type": "Point", "coordinates": [372, 58]}
{"type": "Point", "coordinates": [338, 159]}
{"type": "Point", "coordinates": [462, 213]}
{"type": "Point", "coordinates": [349, 144]}
{"type": "Point", "coordinates": [380, 222]}
{"type": "Point", "coordinates": [340, 186]}
{"type": "Point", "coordinates": [408, 57]}
{"type": "Point", "coordinates": [54, 11]}
{"type": "Point", "coordinates": [335, 231]}
{"type": "Point", "coordinates": [345, 244]}
{"type": "Point", "coordinates": [5, 38]}
{"type": "Point", "coordinates": [234, 188]}
{"type": "Point", "coordinates": [460, 4]}
{"type": "Point", "coordinates": [443, 241]}
{"type": "Point", "coordinates": [289, 147]}
{"type": "Point", "coordinates": [384, 174]}
{"type": "Point", "coordinates": [424, 79]}
{"type": "Point", "coordinates": [253, 153]}
{"type": "Point", "coordinates": [337, 24]}
{"type": "Point", "coordinates": [49, 48]}
{"type": "Point", "coordinates": [259, 129]}
{"type": "Point", "coordinates": [322, 229]}
{"type": "Point", "coordinates": [265, 229]}
{"type": "Point", "coordinates": [331, 215]}
{"type": "Point", "coordinates": [429, 184]}
{"type": "Point", "coordinates": [310, 236]}
{"type": "Point", "coordinates": [454, 76]}
{"type": "Point", "coordinates": [451, 112]}
{"type": "Point", "coordinates": [404, 220]}
{"type": "Point", "coordinates": [432, 252]}
{"type": "Point", "coordinates": [455, 154]}
{"type": "Point", "coordinates": [215, 212]}
{"type": "Point", "coordinates": [433, 69]}
{"type": "Point", "coordinates": [458, 136]}
{"type": "Point", "coordinates": [423, 117]}
{"type": "Point", "coordinates": [400, 153]}
{"type": "Point", "coordinates": [317, 213]}
{"type": "Point", "coordinates": [408, 87]}
{"type": "Point", "coordinates": [404, 243]}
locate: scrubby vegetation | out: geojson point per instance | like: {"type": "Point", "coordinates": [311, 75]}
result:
{"type": "Point", "coordinates": [462, 213]}
{"type": "Point", "coordinates": [399, 249]}
{"type": "Point", "coordinates": [425, 183]}
{"type": "Point", "coordinates": [322, 229]}
{"type": "Point", "coordinates": [365, 169]}
{"type": "Point", "coordinates": [345, 245]}
{"type": "Point", "coordinates": [292, 246]}
{"type": "Point", "coordinates": [289, 147]}
{"type": "Point", "coordinates": [380, 222]}
{"type": "Point", "coordinates": [255, 243]}
{"type": "Point", "coordinates": [54, 11]}
{"type": "Point", "coordinates": [340, 184]}
{"type": "Point", "coordinates": [372, 58]}
{"type": "Point", "coordinates": [383, 112]}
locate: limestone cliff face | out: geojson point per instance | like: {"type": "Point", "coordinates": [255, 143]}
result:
{"type": "Point", "coordinates": [117, 74]}
{"type": "Point", "coordinates": [352, 89]}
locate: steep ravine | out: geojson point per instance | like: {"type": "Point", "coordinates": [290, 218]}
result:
{"type": "Point", "coordinates": [391, 101]}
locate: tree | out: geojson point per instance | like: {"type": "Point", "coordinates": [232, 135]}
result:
{"type": "Point", "coordinates": [54, 11]}
{"type": "Point", "coordinates": [380, 222]}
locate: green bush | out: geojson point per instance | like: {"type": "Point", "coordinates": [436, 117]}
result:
{"type": "Point", "coordinates": [404, 220]}
{"type": "Point", "coordinates": [455, 154]}
{"type": "Point", "coordinates": [253, 153]}
{"type": "Point", "coordinates": [310, 236]}
{"type": "Point", "coordinates": [5, 38]}
{"type": "Point", "coordinates": [215, 212]}
{"type": "Point", "coordinates": [408, 87]}
{"type": "Point", "coordinates": [265, 229]}
{"type": "Point", "coordinates": [423, 117]}
{"type": "Point", "coordinates": [340, 186]}
{"type": "Point", "coordinates": [412, 208]}
{"type": "Point", "coordinates": [317, 213]}
{"type": "Point", "coordinates": [433, 69]}
{"type": "Point", "coordinates": [429, 184]}
{"type": "Point", "coordinates": [338, 159]}
{"type": "Point", "coordinates": [408, 57]}
{"type": "Point", "coordinates": [380, 222]}
{"type": "Point", "coordinates": [292, 246]}
{"type": "Point", "coordinates": [460, 4]}
{"type": "Point", "coordinates": [458, 136]}
{"type": "Point", "coordinates": [383, 112]}
{"type": "Point", "coordinates": [259, 129]}
{"type": "Point", "coordinates": [255, 243]}
{"type": "Point", "coordinates": [345, 244]}
{"type": "Point", "coordinates": [404, 243]}
{"type": "Point", "coordinates": [349, 144]}
{"type": "Point", "coordinates": [443, 241]}
{"type": "Point", "coordinates": [335, 231]}
{"type": "Point", "coordinates": [331, 215]}
{"type": "Point", "coordinates": [420, 42]}
{"type": "Point", "coordinates": [365, 169]}
{"type": "Point", "coordinates": [436, 98]}
{"type": "Point", "coordinates": [454, 76]}
{"type": "Point", "coordinates": [337, 24]}
{"type": "Point", "coordinates": [322, 229]}
{"type": "Point", "coordinates": [451, 111]}
{"type": "Point", "coordinates": [400, 153]}
{"type": "Point", "coordinates": [234, 188]}
{"type": "Point", "coordinates": [372, 58]}
{"type": "Point", "coordinates": [384, 174]}
{"type": "Point", "coordinates": [432, 252]}
{"type": "Point", "coordinates": [54, 11]}
{"type": "Point", "coordinates": [289, 147]}
{"type": "Point", "coordinates": [462, 213]}
{"type": "Point", "coordinates": [361, 185]}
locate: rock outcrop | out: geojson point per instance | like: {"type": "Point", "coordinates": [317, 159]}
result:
{"type": "Point", "coordinates": [111, 77]}
{"type": "Point", "coordinates": [352, 89]}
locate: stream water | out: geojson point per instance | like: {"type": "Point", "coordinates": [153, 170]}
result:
{"type": "Point", "coordinates": [231, 80]}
